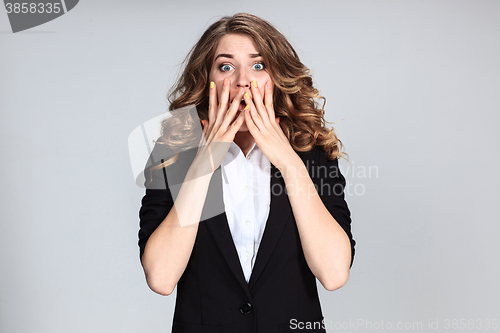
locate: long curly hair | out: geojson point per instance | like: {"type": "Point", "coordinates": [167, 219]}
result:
{"type": "Point", "coordinates": [295, 98]}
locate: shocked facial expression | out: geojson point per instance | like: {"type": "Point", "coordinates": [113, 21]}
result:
{"type": "Point", "coordinates": [238, 60]}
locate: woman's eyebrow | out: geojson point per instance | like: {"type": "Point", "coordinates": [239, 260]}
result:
{"type": "Point", "coordinates": [230, 56]}
{"type": "Point", "coordinates": [224, 55]}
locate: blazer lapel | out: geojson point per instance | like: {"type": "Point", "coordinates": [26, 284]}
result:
{"type": "Point", "coordinates": [219, 228]}
{"type": "Point", "coordinates": [279, 212]}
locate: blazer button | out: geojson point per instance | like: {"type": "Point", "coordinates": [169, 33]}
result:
{"type": "Point", "coordinates": [246, 308]}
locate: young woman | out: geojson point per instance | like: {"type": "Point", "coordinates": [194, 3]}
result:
{"type": "Point", "coordinates": [285, 223]}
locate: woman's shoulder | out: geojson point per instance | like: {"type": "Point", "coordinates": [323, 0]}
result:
{"type": "Point", "coordinates": [320, 167]}
{"type": "Point", "coordinates": [317, 154]}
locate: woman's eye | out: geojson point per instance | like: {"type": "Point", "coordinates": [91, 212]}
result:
{"type": "Point", "coordinates": [258, 66]}
{"type": "Point", "coordinates": [225, 68]}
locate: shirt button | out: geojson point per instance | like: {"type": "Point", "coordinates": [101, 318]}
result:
{"type": "Point", "coordinates": [248, 156]}
{"type": "Point", "coordinates": [246, 308]}
{"type": "Point", "coordinates": [245, 187]}
{"type": "Point", "coordinates": [247, 254]}
{"type": "Point", "coordinates": [247, 222]}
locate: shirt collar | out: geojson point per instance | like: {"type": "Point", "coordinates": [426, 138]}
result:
{"type": "Point", "coordinates": [234, 149]}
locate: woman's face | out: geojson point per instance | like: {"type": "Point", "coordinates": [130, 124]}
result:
{"type": "Point", "coordinates": [237, 59]}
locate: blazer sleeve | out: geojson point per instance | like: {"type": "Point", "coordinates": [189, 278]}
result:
{"type": "Point", "coordinates": [157, 201]}
{"type": "Point", "coordinates": [162, 187]}
{"type": "Point", "coordinates": [330, 184]}
{"type": "Point", "coordinates": [156, 205]}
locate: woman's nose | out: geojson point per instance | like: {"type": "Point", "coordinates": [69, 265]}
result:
{"type": "Point", "coordinates": [243, 80]}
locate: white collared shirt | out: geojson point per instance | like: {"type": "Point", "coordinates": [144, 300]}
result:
{"type": "Point", "coordinates": [247, 197]}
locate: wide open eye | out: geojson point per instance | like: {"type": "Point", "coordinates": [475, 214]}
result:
{"type": "Point", "coordinates": [225, 67]}
{"type": "Point", "coordinates": [259, 66]}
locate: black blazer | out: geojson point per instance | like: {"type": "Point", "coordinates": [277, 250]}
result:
{"type": "Point", "coordinates": [213, 295]}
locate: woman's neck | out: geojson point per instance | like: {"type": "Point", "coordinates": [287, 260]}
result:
{"type": "Point", "coordinates": [244, 140]}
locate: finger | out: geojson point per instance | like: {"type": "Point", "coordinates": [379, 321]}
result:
{"type": "Point", "coordinates": [202, 138]}
{"type": "Point", "coordinates": [221, 106]}
{"type": "Point", "coordinates": [229, 116]}
{"type": "Point", "coordinates": [224, 99]}
{"type": "Point", "coordinates": [212, 101]}
{"type": "Point", "coordinates": [251, 125]}
{"type": "Point", "coordinates": [235, 126]}
{"type": "Point", "coordinates": [257, 119]}
{"type": "Point", "coordinates": [268, 99]}
{"type": "Point", "coordinates": [259, 103]}
{"type": "Point", "coordinates": [205, 127]}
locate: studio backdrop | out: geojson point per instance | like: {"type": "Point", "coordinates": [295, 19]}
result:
{"type": "Point", "coordinates": [411, 87]}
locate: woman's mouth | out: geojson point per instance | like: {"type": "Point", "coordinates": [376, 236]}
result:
{"type": "Point", "coordinates": [242, 105]}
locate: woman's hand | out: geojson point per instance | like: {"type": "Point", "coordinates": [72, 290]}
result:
{"type": "Point", "coordinates": [220, 129]}
{"type": "Point", "coordinates": [326, 246]}
{"type": "Point", "coordinates": [264, 127]}
{"type": "Point", "coordinates": [169, 247]}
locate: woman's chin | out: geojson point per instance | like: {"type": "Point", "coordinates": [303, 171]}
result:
{"type": "Point", "coordinates": [243, 127]}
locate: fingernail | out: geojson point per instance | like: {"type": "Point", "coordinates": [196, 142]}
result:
{"type": "Point", "coordinates": [212, 84]}
{"type": "Point", "coordinates": [240, 90]}
{"type": "Point", "coordinates": [246, 107]}
{"type": "Point", "coordinates": [254, 83]}
{"type": "Point", "coordinates": [225, 82]}
{"type": "Point", "coordinates": [247, 95]}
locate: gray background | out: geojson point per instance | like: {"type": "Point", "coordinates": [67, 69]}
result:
{"type": "Point", "coordinates": [416, 84]}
